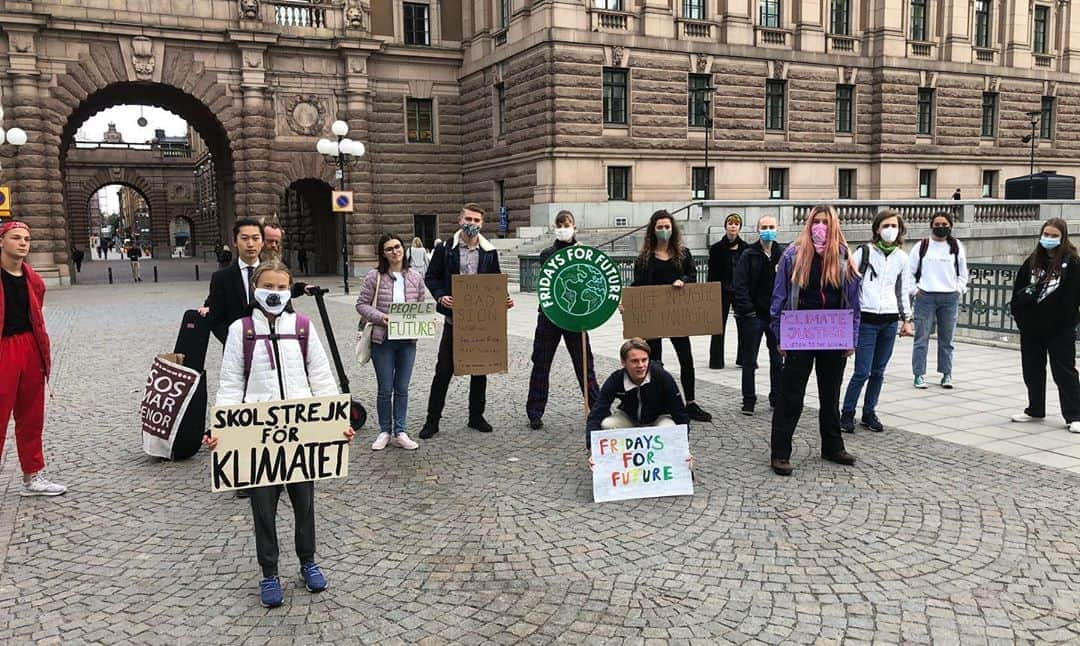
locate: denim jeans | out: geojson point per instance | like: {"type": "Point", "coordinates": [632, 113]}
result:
{"type": "Point", "coordinates": [933, 308]}
{"type": "Point", "coordinates": [753, 328]}
{"type": "Point", "coordinates": [875, 349]}
{"type": "Point", "coordinates": [393, 361]}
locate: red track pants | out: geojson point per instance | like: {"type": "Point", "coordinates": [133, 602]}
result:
{"type": "Point", "coordinates": [22, 391]}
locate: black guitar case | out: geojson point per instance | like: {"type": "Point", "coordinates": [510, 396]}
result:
{"type": "Point", "coordinates": [191, 342]}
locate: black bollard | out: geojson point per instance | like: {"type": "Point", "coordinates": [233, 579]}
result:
{"type": "Point", "coordinates": [196, 272]}
{"type": "Point", "coordinates": [155, 273]}
{"type": "Point", "coordinates": [110, 275]}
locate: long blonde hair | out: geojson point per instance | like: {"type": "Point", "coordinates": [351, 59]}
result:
{"type": "Point", "coordinates": [831, 258]}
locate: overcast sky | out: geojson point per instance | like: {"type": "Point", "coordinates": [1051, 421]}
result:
{"type": "Point", "coordinates": [125, 117]}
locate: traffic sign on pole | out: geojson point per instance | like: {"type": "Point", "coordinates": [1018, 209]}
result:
{"type": "Point", "coordinates": [342, 201]}
{"type": "Point", "coordinates": [5, 202]}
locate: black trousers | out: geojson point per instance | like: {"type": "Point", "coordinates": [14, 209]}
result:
{"type": "Point", "coordinates": [716, 342]}
{"type": "Point", "coordinates": [444, 372]}
{"type": "Point", "coordinates": [1061, 348]}
{"type": "Point", "coordinates": [829, 367]}
{"type": "Point", "coordinates": [546, 341]}
{"type": "Point", "coordinates": [264, 502]}
{"type": "Point", "coordinates": [686, 361]}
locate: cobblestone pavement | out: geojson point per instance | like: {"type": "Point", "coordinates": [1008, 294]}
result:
{"type": "Point", "coordinates": [494, 538]}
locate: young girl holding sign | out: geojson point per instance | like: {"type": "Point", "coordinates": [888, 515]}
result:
{"type": "Point", "coordinates": [281, 368]}
{"type": "Point", "coordinates": [815, 273]}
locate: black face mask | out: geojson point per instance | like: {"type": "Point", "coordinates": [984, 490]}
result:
{"type": "Point", "coordinates": [942, 232]}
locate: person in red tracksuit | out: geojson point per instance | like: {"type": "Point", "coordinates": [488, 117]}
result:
{"type": "Point", "coordinates": [24, 353]}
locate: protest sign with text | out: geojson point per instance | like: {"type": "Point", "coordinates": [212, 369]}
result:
{"type": "Point", "coordinates": [479, 324]}
{"type": "Point", "coordinates": [667, 311]}
{"type": "Point", "coordinates": [412, 321]}
{"type": "Point", "coordinates": [169, 390]}
{"type": "Point", "coordinates": [279, 442]}
{"type": "Point", "coordinates": [641, 463]}
{"type": "Point", "coordinates": [817, 330]}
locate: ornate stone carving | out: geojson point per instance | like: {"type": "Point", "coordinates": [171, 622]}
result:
{"type": "Point", "coordinates": [253, 60]}
{"type": "Point", "coordinates": [306, 115]}
{"type": "Point", "coordinates": [249, 9]}
{"type": "Point", "coordinates": [21, 42]}
{"type": "Point", "coordinates": [617, 55]}
{"type": "Point", "coordinates": [142, 57]}
{"type": "Point", "coordinates": [702, 63]}
{"type": "Point", "coordinates": [357, 65]}
{"type": "Point", "coordinates": [356, 15]}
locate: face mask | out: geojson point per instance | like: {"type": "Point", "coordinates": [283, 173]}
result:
{"type": "Point", "coordinates": [565, 234]}
{"type": "Point", "coordinates": [663, 235]}
{"type": "Point", "coordinates": [1049, 243]}
{"type": "Point", "coordinates": [470, 230]}
{"type": "Point", "coordinates": [942, 232]}
{"type": "Point", "coordinates": [818, 233]}
{"type": "Point", "coordinates": [767, 235]}
{"type": "Point", "coordinates": [888, 234]}
{"type": "Point", "coordinates": [272, 302]}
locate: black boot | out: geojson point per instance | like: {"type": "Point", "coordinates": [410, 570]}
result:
{"type": "Point", "coordinates": [847, 421]}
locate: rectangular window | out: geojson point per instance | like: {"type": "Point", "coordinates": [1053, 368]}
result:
{"type": "Point", "coordinates": [500, 108]}
{"type": "Point", "coordinates": [1042, 29]}
{"type": "Point", "coordinates": [845, 183]}
{"type": "Point", "coordinates": [845, 99]}
{"type": "Point", "coordinates": [618, 183]}
{"type": "Point", "coordinates": [982, 23]}
{"type": "Point", "coordinates": [693, 9]}
{"type": "Point", "coordinates": [1046, 121]}
{"type": "Point", "coordinates": [926, 182]}
{"type": "Point", "coordinates": [504, 13]}
{"type": "Point", "coordinates": [700, 183]}
{"type": "Point", "coordinates": [696, 107]}
{"type": "Point", "coordinates": [615, 95]}
{"type": "Point", "coordinates": [770, 13]}
{"type": "Point", "coordinates": [926, 111]}
{"type": "Point", "coordinates": [419, 120]}
{"type": "Point", "coordinates": [777, 183]}
{"type": "Point", "coordinates": [918, 20]}
{"type": "Point", "coordinates": [841, 17]}
{"type": "Point", "coordinates": [609, 5]}
{"type": "Point", "coordinates": [774, 104]}
{"type": "Point", "coordinates": [989, 183]}
{"type": "Point", "coordinates": [417, 28]}
{"type": "Point", "coordinates": [989, 113]}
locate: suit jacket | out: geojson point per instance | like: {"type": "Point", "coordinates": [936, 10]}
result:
{"type": "Point", "coordinates": [446, 261]}
{"type": "Point", "coordinates": [227, 300]}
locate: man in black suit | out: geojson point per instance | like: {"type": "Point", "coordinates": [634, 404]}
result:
{"type": "Point", "coordinates": [230, 287]}
{"type": "Point", "coordinates": [468, 253]}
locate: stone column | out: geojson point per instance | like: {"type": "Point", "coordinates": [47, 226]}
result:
{"type": "Point", "coordinates": [255, 194]}
{"type": "Point", "coordinates": [1017, 28]}
{"type": "Point", "coordinates": [809, 33]}
{"type": "Point", "coordinates": [738, 25]}
{"type": "Point", "coordinates": [356, 104]}
{"type": "Point", "coordinates": [957, 41]}
{"type": "Point", "coordinates": [886, 29]}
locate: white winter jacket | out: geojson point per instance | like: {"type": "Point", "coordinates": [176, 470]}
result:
{"type": "Point", "coordinates": [887, 283]}
{"type": "Point", "coordinates": [316, 381]}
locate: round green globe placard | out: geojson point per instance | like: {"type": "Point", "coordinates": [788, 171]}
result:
{"type": "Point", "coordinates": [579, 288]}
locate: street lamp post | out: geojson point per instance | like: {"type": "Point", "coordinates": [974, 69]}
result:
{"type": "Point", "coordinates": [707, 121]}
{"type": "Point", "coordinates": [1034, 117]}
{"type": "Point", "coordinates": [343, 153]}
{"type": "Point", "coordinates": [14, 136]}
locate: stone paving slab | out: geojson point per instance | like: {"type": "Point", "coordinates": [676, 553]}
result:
{"type": "Point", "coordinates": [494, 539]}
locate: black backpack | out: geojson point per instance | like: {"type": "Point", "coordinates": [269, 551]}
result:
{"type": "Point", "coordinates": [954, 249]}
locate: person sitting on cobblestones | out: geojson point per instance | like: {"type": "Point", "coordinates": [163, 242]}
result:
{"type": "Point", "coordinates": [24, 354]}
{"type": "Point", "coordinates": [647, 394]}
{"type": "Point", "coordinates": [294, 375]}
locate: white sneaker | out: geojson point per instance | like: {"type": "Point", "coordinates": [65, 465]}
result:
{"type": "Point", "coordinates": [39, 486]}
{"type": "Point", "coordinates": [1074, 427]}
{"type": "Point", "coordinates": [404, 441]}
{"type": "Point", "coordinates": [381, 442]}
{"type": "Point", "coordinates": [1024, 417]}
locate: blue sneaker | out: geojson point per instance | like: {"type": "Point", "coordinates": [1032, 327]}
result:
{"type": "Point", "coordinates": [270, 592]}
{"type": "Point", "coordinates": [313, 577]}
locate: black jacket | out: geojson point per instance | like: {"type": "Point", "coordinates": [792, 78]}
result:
{"type": "Point", "coordinates": [227, 300]}
{"type": "Point", "coordinates": [722, 260]}
{"type": "Point", "coordinates": [642, 404]}
{"type": "Point", "coordinates": [755, 274]}
{"type": "Point", "coordinates": [1057, 312]}
{"type": "Point", "coordinates": [644, 274]}
{"type": "Point", "coordinates": [446, 262]}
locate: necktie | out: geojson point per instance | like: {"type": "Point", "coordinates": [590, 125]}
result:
{"type": "Point", "coordinates": [250, 287]}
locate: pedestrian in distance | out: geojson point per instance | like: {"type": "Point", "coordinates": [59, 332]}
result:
{"type": "Point", "coordinates": [664, 260]}
{"type": "Point", "coordinates": [468, 253]}
{"type": "Point", "coordinates": [722, 258]}
{"type": "Point", "coordinates": [884, 310]}
{"type": "Point", "coordinates": [224, 256]}
{"type": "Point", "coordinates": [755, 275]}
{"type": "Point", "coordinates": [290, 370]}
{"type": "Point", "coordinates": [939, 266]}
{"type": "Point", "coordinates": [393, 281]}
{"type": "Point", "coordinates": [547, 336]}
{"type": "Point", "coordinates": [815, 273]}
{"type": "Point", "coordinates": [302, 260]}
{"type": "Point", "coordinates": [418, 256]}
{"type": "Point", "coordinates": [133, 255]}
{"type": "Point", "coordinates": [25, 357]}
{"type": "Point", "coordinates": [77, 257]}
{"type": "Point", "coordinates": [1045, 301]}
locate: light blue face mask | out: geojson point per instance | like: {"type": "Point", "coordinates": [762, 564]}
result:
{"type": "Point", "coordinates": [1049, 243]}
{"type": "Point", "coordinates": [767, 235]}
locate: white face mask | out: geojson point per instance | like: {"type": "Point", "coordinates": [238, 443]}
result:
{"type": "Point", "coordinates": [888, 234]}
{"type": "Point", "coordinates": [565, 234]}
{"type": "Point", "coordinates": [272, 302]}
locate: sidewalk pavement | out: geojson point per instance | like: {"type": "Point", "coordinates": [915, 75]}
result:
{"type": "Point", "coordinates": [988, 390]}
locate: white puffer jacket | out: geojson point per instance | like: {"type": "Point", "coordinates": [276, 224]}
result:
{"type": "Point", "coordinates": [887, 282]}
{"type": "Point", "coordinates": [317, 381]}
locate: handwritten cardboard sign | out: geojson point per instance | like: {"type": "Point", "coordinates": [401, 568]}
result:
{"type": "Point", "coordinates": [279, 442]}
{"type": "Point", "coordinates": [817, 329]}
{"type": "Point", "coordinates": [412, 321]}
{"type": "Point", "coordinates": [169, 390]}
{"type": "Point", "coordinates": [641, 463]}
{"type": "Point", "coordinates": [479, 324]}
{"type": "Point", "coordinates": [667, 311]}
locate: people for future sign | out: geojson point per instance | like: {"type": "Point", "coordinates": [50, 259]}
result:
{"type": "Point", "coordinates": [641, 463]}
{"type": "Point", "coordinates": [817, 330]}
{"type": "Point", "coordinates": [169, 390]}
{"type": "Point", "coordinates": [579, 288]}
{"type": "Point", "coordinates": [479, 324]}
{"type": "Point", "coordinates": [279, 442]}
{"type": "Point", "coordinates": [412, 321]}
{"type": "Point", "coordinates": [667, 311]}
